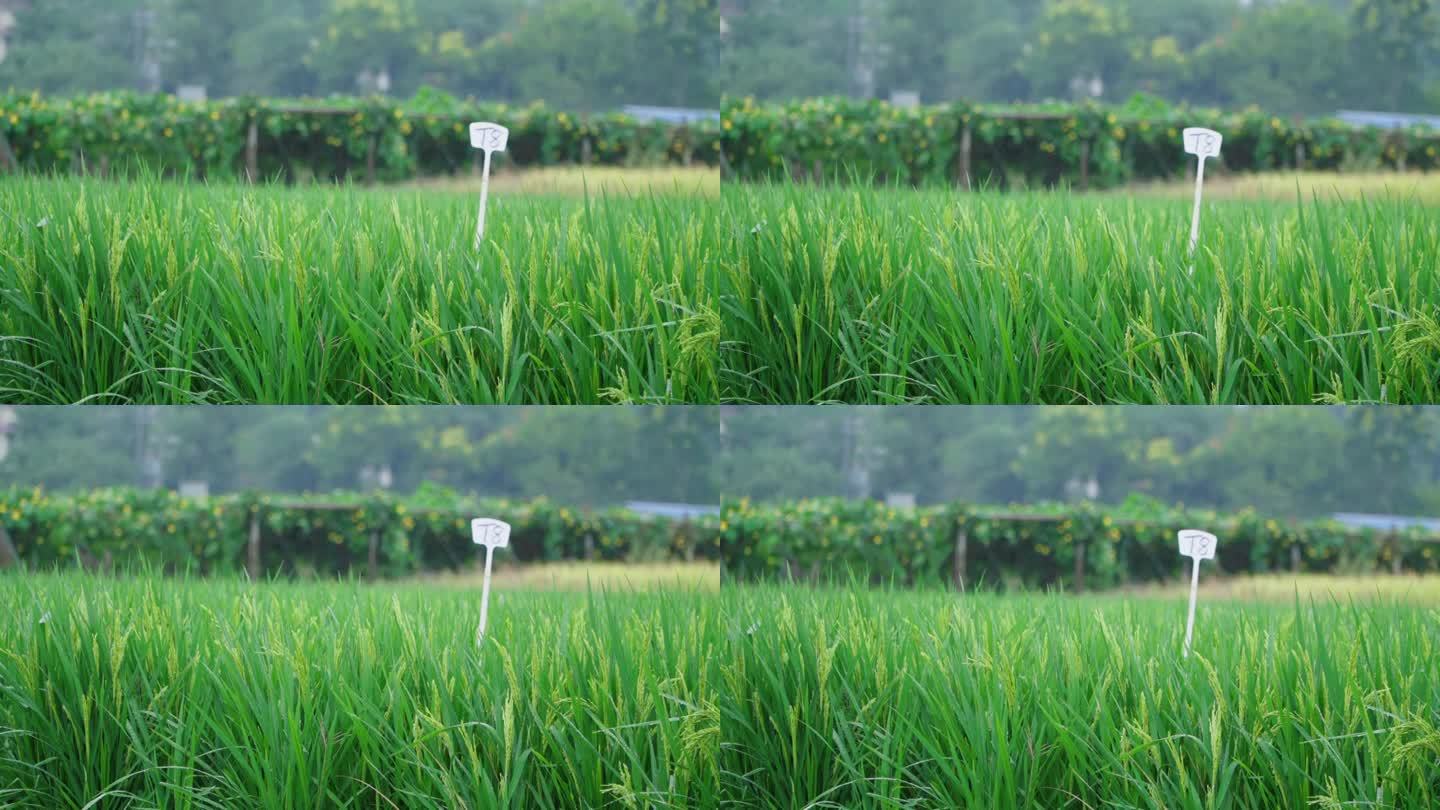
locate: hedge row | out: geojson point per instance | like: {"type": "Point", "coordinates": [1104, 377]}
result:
{"type": "Point", "coordinates": [1037, 545]}
{"type": "Point", "coordinates": [324, 535]}
{"type": "Point", "coordinates": [1041, 145]}
{"type": "Point", "coordinates": [326, 139]}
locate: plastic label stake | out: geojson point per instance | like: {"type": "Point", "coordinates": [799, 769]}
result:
{"type": "Point", "coordinates": [491, 534]}
{"type": "Point", "coordinates": [1203, 143]}
{"type": "Point", "coordinates": [1197, 546]}
{"type": "Point", "coordinates": [490, 138]}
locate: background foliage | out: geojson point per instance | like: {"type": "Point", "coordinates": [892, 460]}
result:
{"type": "Point", "coordinates": [423, 532]}
{"type": "Point", "coordinates": [1307, 57]}
{"type": "Point", "coordinates": [1133, 542]}
{"type": "Point", "coordinates": [573, 54]}
{"type": "Point", "coordinates": [835, 138]}
{"type": "Point", "coordinates": [327, 139]}
{"type": "Point", "coordinates": [1288, 462]}
{"type": "Point", "coordinates": [584, 457]}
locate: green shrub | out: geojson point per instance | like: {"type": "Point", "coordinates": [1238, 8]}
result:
{"type": "Point", "coordinates": [326, 535]}
{"type": "Point", "coordinates": [1037, 144]}
{"type": "Point", "coordinates": [329, 138]}
{"type": "Point", "coordinates": [1034, 545]}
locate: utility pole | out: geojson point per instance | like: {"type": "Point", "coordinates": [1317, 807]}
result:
{"type": "Point", "coordinates": [8, 555]}
{"type": "Point", "coordinates": [7, 428]}
{"type": "Point", "coordinates": [860, 453]}
{"type": "Point", "coordinates": [149, 469]}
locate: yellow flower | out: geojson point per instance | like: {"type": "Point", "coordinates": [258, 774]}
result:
{"type": "Point", "coordinates": [726, 125]}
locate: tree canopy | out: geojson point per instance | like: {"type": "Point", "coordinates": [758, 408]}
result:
{"type": "Point", "coordinates": [573, 54]}
{"type": "Point", "coordinates": [577, 456]}
{"type": "Point", "coordinates": [1291, 462]}
{"type": "Point", "coordinates": [1288, 56]}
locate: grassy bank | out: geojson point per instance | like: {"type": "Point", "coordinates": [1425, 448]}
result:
{"type": "Point", "coordinates": [879, 296]}
{"type": "Point", "coordinates": [163, 293]}
{"type": "Point", "coordinates": [221, 694]}
{"type": "Point", "coordinates": [1420, 187]}
{"type": "Point", "coordinates": [885, 700]}
{"type": "Point", "coordinates": [582, 181]}
{"type": "Point", "coordinates": [583, 576]}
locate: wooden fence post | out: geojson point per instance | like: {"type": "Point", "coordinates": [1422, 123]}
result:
{"type": "Point", "coordinates": [370, 159]}
{"type": "Point", "coordinates": [1079, 566]}
{"type": "Point", "coordinates": [1395, 555]}
{"type": "Point", "coordinates": [967, 142]}
{"type": "Point", "coordinates": [8, 555]}
{"type": "Point", "coordinates": [1084, 165]}
{"type": "Point", "coordinates": [962, 542]}
{"type": "Point", "coordinates": [374, 560]}
{"type": "Point", "coordinates": [252, 150]}
{"type": "Point", "coordinates": [252, 561]}
{"type": "Point", "coordinates": [8, 161]}
{"type": "Point", "coordinates": [1295, 558]}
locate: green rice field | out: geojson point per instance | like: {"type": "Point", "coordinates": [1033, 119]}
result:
{"type": "Point", "coordinates": [867, 699]}
{"type": "Point", "coordinates": [881, 296]}
{"type": "Point", "coordinates": [158, 293]}
{"type": "Point", "coordinates": [151, 693]}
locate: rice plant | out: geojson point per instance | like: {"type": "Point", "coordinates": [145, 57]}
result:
{"type": "Point", "coordinates": [881, 295]}
{"type": "Point", "coordinates": [861, 699]}
{"type": "Point", "coordinates": [159, 693]}
{"type": "Point", "coordinates": [159, 293]}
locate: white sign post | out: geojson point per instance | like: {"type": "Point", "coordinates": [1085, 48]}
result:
{"type": "Point", "coordinates": [1203, 143]}
{"type": "Point", "coordinates": [491, 138]}
{"type": "Point", "coordinates": [491, 534]}
{"type": "Point", "coordinates": [1197, 546]}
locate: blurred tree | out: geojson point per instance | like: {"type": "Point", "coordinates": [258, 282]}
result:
{"type": "Point", "coordinates": [271, 53]}
{"type": "Point", "coordinates": [1287, 58]}
{"type": "Point", "coordinates": [1392, 43]}
{"type": "Point", "coordinates": [1386, 444]}
{"type": "Point", "coordinates": [1077, 43]}
{"type": "Point", "coordinates": [1303, 56]}
{"type": "Point", "coordinates": [62, 447]}
{"type": "Point", "coordinates": [988, 64]}
{"type": "Point", "coordinates": [73, 46]}
{"type": "Point", "coordinates": [787, 49]}
{"type": "Point", "coordinates": [572, 54]}
{"type": "Point", "coordinates": [676, 53]}
{"type": "Point", "coordinates": [369, 38]}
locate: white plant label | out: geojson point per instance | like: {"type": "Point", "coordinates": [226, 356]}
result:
{"type": "Point", "coordinates": [490, 138]}
{"type": "Point", "coordinates": [1197, 546]}
{"type": "Point", "coordinates": [1203, 143]}
{"type": "Point", "coordinates": [491, 534]}
{"type": "Point", "coordinates": [1200, 545]}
